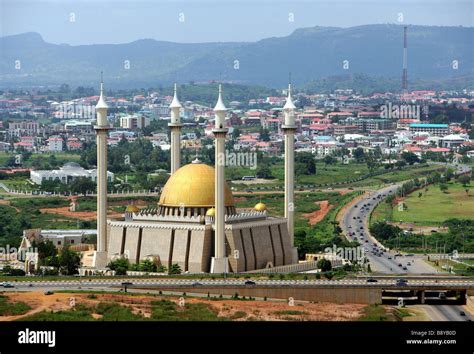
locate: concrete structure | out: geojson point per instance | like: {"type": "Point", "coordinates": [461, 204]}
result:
{"type": "Point", "coordinates": [219, 261]}
{"type": "Point", "coordinates": [289, 129]}
{"type": "Point", "coordinates": [134, 121]}
{"type": "Point", "coordinates": [196, 224]}
{"type": "Point", "coordinates": [175, 127]}
{"type": "Point", "coordinates": [55, 144]}
{"type": "Point", "coordinates": [102, 127]}
{"type": "Point", "coordinates": [433, 129]}
{"type": "Point", "coordinates": [182, 229]}
{"type": "Point", "coordinates": [66, 174]}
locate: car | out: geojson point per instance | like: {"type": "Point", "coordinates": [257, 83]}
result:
{"type": "Point", "coordinates": [442, 295]}
{"type": "Point", "coordinates": [372, 280]}
{"type": "Point", "coordinates": [409, 264]}
{"type": "Point", "coordinates": [250, 282]}
{"type": "Point", "coordinates": [400, 265]}
{"type": "Point", "coordinates": [410, 255]}
{"type": "Point", "coordinates": [389, 258]}
{"type": "Point", "coordinates": [2, 283]}
{"type": "Point", "coordinates": [8, 285]}
{"type": "Point", "coordinates": [362, 228]}
{"type": "Point", "coordinates": [462, 313]}
{"type": "Point", "coordinates": [197, 283]}
{"type": "Point", "coordinates": [48, 292]}
{"type": "Point", "coordinates": [366, 241]}
{"type": "Point", "coordinates": [127, 283]}
{"type": "Point", "coordinates": [405, 268]}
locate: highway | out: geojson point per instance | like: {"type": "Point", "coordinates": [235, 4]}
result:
{"type": "Point", "coordinates": [446, 312]}
{"type": "Point", "coordinates": [464, 283]}
{"type": "Point", "coordinates": [355, 225]}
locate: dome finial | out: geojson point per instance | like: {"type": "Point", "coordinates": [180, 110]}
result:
{"type": "Point", "coordinates": [220, 107]}
{"type": "Point", "coordinates": [101, 103]}
{"type": "Point", "coordinates": [175, 102]}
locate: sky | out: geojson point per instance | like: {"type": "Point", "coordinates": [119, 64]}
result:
{"type": "Point", "coordinates": [189, 21]}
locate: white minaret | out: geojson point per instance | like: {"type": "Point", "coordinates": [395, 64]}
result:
{"type": "Point", "coordinates": [289, 129]}
{"type": "Point", "coordinates": [175, 127]}
{"type": "Point", "coordinates": [219, 263]}
{"type": "Point", "coordinates": [100, 256]}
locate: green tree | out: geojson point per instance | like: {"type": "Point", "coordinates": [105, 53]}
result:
{"type": "Point", "coordinates": [69, 261]}
{"type": "Point", "coordinates": [82, 185]}
{"type": "Point", "coordinates": [264, 172]}
{"type": "Point", "coordinates": [464, 180]}
{"type": "Point", "coordinates": [119, 265]}
{"type": "Point", "coordinates": [324, 264]}
{"type": "Point", "coordinates": [174, 269]}
{"type": "Point", "coordinates": [409, 157]}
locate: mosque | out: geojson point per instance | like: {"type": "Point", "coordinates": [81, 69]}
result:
{"type": "Point", "coordinates": [196, 223]}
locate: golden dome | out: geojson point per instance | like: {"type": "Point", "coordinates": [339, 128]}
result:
{"type": "Point", "coordinates": [193, 186]}
{"type": "Point", "coordinates": [132, 209]}
{"type": "Point", "coordinates": [211, 212]}
{"type": "Point", "coordinates": [260, 207]}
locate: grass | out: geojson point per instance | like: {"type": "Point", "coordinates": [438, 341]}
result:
{"type": "Point", "coordinates": [162, 310]}
{"type": "Point", "coordinates": [8, 308]}
{"type": "Point", "coordinates": [375, 313]}
{"type": "Point", "coordinates": [290, 313]}
{"type": "Point", "coordinates": [434, 207]}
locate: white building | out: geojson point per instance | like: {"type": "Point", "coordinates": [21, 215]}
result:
{"type": "Point", "coordinates": [55, 144]}
{"type": "Point", "coordinates": [66, 174]}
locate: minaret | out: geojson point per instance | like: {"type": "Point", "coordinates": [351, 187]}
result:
{"type": "Point", "coordinates": [100, 256]}
{"type": "Point", "coordinates": [175, 127]}
{"type": "Point", "coordinates": [289, 129]}
{"type": "Point", "coordinates": [219, 263]}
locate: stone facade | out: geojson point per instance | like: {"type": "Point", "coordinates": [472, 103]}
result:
{"type": "Point", "coordinates": [250, 245]}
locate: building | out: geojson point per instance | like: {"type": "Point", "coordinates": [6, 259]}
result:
{"type": "Point", "coordinates": [66, 174]}
{"type": "Point", "coordinates": [432, 129]}
{"type": "Point", "coordinates": [134, 122]}
{"type": "Point", "coordinates": [196, 224]}
{"type": "Point", "coordinates": [55, 144]}
{"type": "Point", "coordinates": [180, 229]}
{"type": "Point", "coordinates": [23, 128]}
{"type": "Point", "coordinates": [367, 125]}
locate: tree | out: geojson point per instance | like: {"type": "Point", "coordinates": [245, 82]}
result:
{"type": "Point", "coordinates": [324, 264]}
{"type": "Point", "coordinates": [410, 157]}
{"type": "Point", "coordinates": [82, 185]}
{"type": "Point", "coordinates": [400, 164]}
{"type": "Point", "coordinates": [69, 261]}
{"type": "Point", "coordinates": [329, 160]}
{"type": "Point", "coordinates": [175, 269]}
{"type": "Point", "coordinates": [464, 180]}
{"type": "Point", "coordinates": [443, 187]}
{"type": "Point", "coordinates": [119, 265]}
{"type": "Point", "coordinates": [359, 154]}
{"type": "Point", "coordinates": [147, 266]}
{"type": "Point", "coordinates": [305, 163]}
{"type": "Point", "coordinates": [264, 172]}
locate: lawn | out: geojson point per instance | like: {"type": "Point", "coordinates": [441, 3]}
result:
{"type": "Point", "coordinates": [435, 207]}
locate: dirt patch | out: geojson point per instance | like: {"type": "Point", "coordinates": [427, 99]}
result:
{"type": "Point", "coordinates": [82, 215]}
{"type": "Point", "coordinates": [240, 199]}
{"type": "Point", "coordinates": [238, 310]}
{"type": "Point", "coordinates": [318, 215]}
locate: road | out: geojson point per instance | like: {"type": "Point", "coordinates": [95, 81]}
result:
{"type": "Point", "coordinates": [355, 225]}
{"type": "Point", "coordinates": [446, 312]}
{"type": "Point", "coordinates": [465, 282]}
